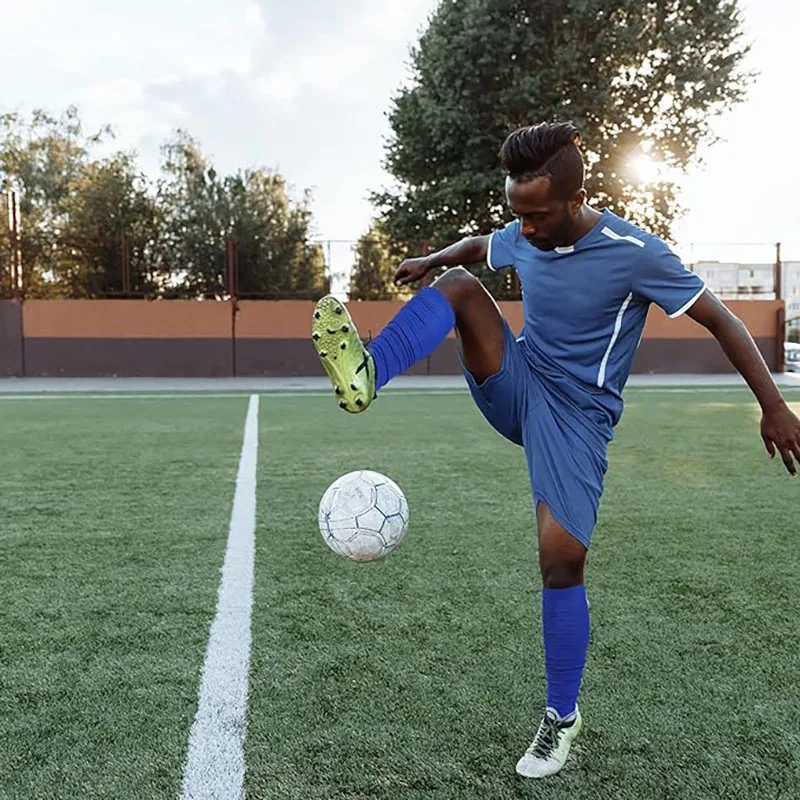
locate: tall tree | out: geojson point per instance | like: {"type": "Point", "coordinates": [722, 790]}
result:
{"type": "Point", "coordinates": [203, 211]}
{"type": "Point", "coordinates": [41, 157]}
{"type": "Point", "coordinates": [110, 237]}
{"type": "Point", "coordinates": [635, 77]}
{"type": "Point", "coordinates": [376, 261]}
{"type": "Point", "coordinates": [97, 227]}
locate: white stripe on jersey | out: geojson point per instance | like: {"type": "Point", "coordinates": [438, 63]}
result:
{"type": "Point", "coordinates": [612, 235]}
{"type": "Point", "coordinates": [489, 254]}
{"type": "Point", "coordinates": [601, 377]}
{"type": "Point", "coordinates": [683, 309]}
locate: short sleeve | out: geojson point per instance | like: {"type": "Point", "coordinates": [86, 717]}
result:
{"type": "Point", "coordinates": [502, 243]}
{"type": "Point", "coordinates": [662, 278]}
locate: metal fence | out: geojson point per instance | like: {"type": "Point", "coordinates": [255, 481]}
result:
{"type": "Point", "coordinates": [34, 265]}
{"type": "Point", "coordinates": [37, 266]}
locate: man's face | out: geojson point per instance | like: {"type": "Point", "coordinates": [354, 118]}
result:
{"type": "Point", "coordinates": [547, 222]}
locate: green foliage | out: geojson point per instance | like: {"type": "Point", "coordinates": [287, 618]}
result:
{"type": "Point", "coordinates": [97, 227]}
{"type": "Point", "coordinates": [111, 216]}
{"type": "Point", "coordinates": [42, 158]}
{"type": "Point", "coordinates": [633, 76]}
{"type": "Point", "coordinates": [204, 210]}
{"type": "Point", "coordinates": [372, 277]}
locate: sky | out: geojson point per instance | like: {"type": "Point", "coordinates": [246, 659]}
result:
{"type": "Point", "coordinates": [304, 87]}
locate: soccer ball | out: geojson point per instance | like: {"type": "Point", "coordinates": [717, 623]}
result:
{"type": "Point", "coordinates": [363, 516]}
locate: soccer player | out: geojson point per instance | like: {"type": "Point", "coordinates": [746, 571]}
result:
{"type": "Point", "coordinates": [588, 278]}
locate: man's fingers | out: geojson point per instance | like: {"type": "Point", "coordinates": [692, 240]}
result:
{"type": "Point", "coordinates": [404, 276]}
{"type": "Point", "coordinates": [770, 447]}
{"type": "Point", "coordinates": [796, 450]}
{"type": "Point", "coordinates": [786, 454]}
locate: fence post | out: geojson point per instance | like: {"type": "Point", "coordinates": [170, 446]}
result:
{"type": "Point", "coordinates": [16, 254]}
{"type": "Point", "coordinates": [7, 197]}
{"type": "Point", "coordinates": [780, 338]}
{"type": "Point", "coordinates": [15, 251]}
{"type": "Point", "coordinates": [126, 265]}
{"type": "Point", "coordinates": [233, 292]}
{"type": "Point", "coordinates": [778, 272]}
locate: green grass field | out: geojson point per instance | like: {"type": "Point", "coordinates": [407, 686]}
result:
{"type": "Point", "coordinates": [417, 677]}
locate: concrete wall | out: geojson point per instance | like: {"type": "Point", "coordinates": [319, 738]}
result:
{"type": "Point", "coordinates": [681, 345]}
{"type": "Point", "coordinates": [128, 338]}
{"type": "Point", "coordinates": [214, 339]}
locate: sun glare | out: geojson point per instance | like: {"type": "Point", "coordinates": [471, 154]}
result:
{"type": "Point", "coordinates": [646, 169]}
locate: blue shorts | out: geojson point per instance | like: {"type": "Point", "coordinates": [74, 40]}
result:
{"type": "Point", "coordinates": [565, 447]}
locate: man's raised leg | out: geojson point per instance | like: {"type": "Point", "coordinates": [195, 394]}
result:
{"type": "Point", "coordinates": [457, 299]}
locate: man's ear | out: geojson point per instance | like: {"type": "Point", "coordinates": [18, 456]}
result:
{"type": "Point", "coordinates": [578, 201]}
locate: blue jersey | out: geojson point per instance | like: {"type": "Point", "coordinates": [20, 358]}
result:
{"type": "Point", "coordinates": [586, 305]}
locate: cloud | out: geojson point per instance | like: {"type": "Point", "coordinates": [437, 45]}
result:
{"type": "Point", "coordinates": [302, 87]}
{"type": "Point", "coordinates": [312, 104]}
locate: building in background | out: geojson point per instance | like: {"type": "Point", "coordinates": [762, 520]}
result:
{"type": "Point", "coordinates": [754, 281]}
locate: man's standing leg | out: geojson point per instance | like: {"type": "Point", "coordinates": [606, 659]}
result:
{"type": "Point", "coordinates": [565, 630]}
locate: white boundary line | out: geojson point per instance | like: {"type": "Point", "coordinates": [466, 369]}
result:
{"type": "Point", "coordinates": [215, 761]}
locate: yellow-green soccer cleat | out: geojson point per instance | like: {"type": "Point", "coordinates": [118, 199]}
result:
{"type": "Point", "coordinates": [348, 363]}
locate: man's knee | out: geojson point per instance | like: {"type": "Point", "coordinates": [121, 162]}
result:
{"type": "Point", "coordinates": [561, 572]}
{"type": "Point", "coordinates": [457, 284]}
{"type": "Point", "coordinates": [561, 555]}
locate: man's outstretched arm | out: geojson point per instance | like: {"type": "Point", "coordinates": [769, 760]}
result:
{"type": "Point", "coordinates": [468, 251]}
{"type": "Point", "coordinates": [780, 428]}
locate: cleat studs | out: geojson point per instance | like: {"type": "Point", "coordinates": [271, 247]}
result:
{"type": "Point", "coordinates": [343, 345]}
{"type": "Point", "coordinates": [343, 405]}
{"type": "Point", "coordinates": [330, 332]}
{"type": "Point", "coordinates": [345, 329]}
{"type": "Point", "coordinates": [354, 387]}
{"type": "Point", "coordinates": [338, 309]}
{"type": "Point", "coordinates": [316, 315]}
{"type": "Point", "coordinates": [315, 337]}
{"type": "Point", "coordinates": [359, 402]}
{"type": "Point", "coordinates": [338, 390]}
{"type": "Point", "coordinates": [323, 354]}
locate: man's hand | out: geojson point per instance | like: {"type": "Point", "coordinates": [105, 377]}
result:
{"type": "Point", "coordinates": [412, 269]}
{"type": "Point", "coordinates": [469, 250]}
{"type": "Point", "coordinates": [780, 430]}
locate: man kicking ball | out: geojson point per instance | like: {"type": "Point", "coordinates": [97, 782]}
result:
{"type": "Point", "coordinates": [588, 278]}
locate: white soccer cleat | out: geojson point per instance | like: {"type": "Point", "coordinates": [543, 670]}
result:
{"type": "Point", "coordinates": [549, 750]}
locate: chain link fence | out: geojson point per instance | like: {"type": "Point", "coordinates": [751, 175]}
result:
{"type": "Point", "coordinates": [33, 265]}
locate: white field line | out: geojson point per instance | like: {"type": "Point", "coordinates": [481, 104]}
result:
{"type": "Point", "coordinates": [214, 765]}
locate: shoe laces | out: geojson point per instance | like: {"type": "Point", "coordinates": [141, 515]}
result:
{"type": "Point", "coordinates": [365, 363]}
{"type": "Point", "coordinates": [546, 737]}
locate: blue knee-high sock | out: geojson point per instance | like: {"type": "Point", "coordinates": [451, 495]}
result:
{"type": "Point", "coordinates": [565, 625]}
{"type": "Point", "coordinates": [414, 333]}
